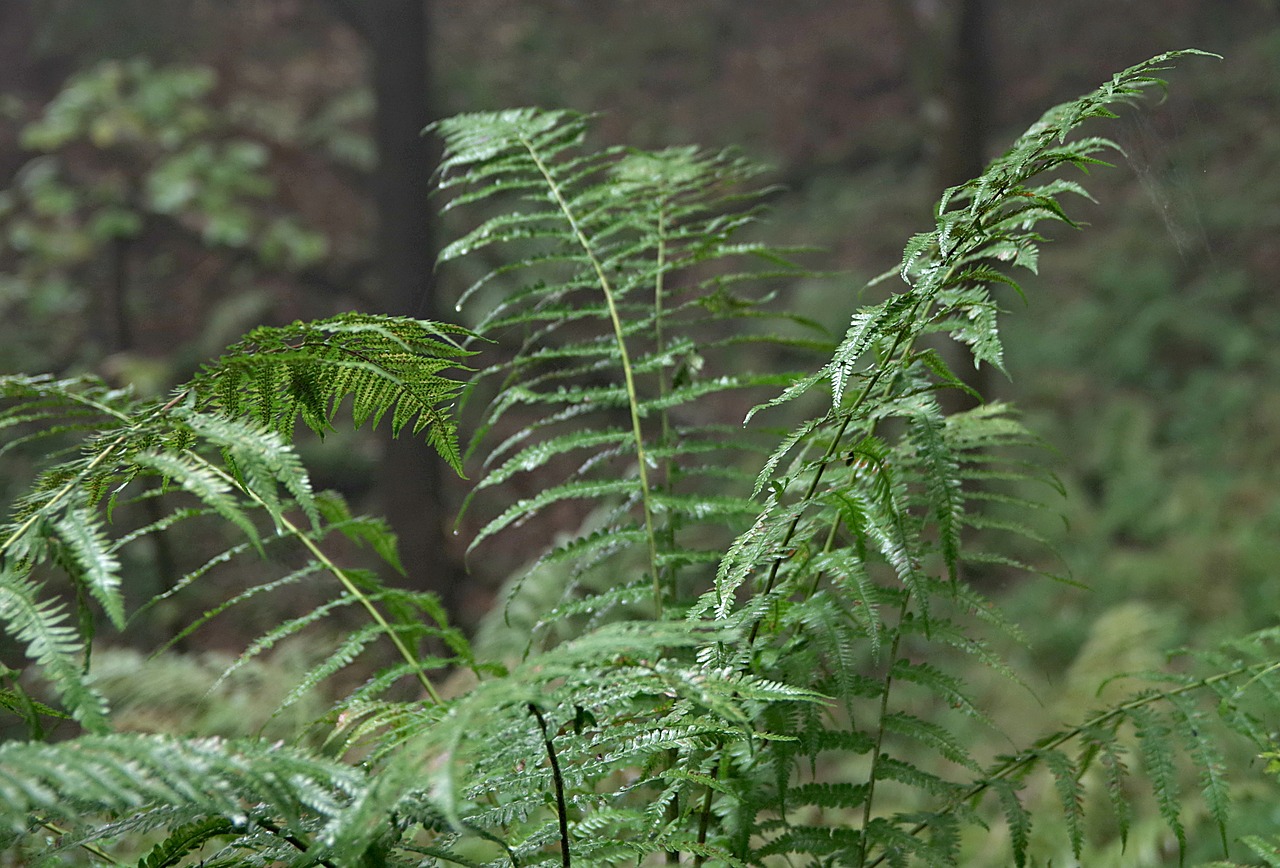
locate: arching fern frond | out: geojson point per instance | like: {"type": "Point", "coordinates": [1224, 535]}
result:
{"type": "Point", "coordinates": [207, 782]}
{"type": "Point", "coordinates": [884, 490]}
{"type": "Point", "coordinates": [206, 445]}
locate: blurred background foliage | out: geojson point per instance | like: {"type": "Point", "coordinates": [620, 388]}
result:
{"type": "Point", "coordinates": [175, 172]}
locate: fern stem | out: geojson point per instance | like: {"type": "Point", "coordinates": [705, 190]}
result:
{"type": "Point", "coordinates": [880, 730]}
{"type": "Point", "coordinates": [58, 495]}
{"type": "Point", "coordinates": [87, 847]}
{"type": "Point", "coordinates": [659, 338]}
{"type": "Point", "coordinates": [297, 842]}
{"type": "Point", "coordinates": [822, 464]}
{"type": "Point", "coordinates": [562, 812]}
{"type": "Point", "coordinates": [101, 457]}
{"type": "Point", "coordinates": [624, 357]}
{"type": "Point", "coordinates": [340, 574]}
{"type": "Point", "coordinates": [704, 820]}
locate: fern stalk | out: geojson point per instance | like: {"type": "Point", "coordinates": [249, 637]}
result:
{"type": "Point", "coordinates": [1026, 759]}
{"type": "Point", "coordinates": [58, 496]}
{"type": "Point", "coordinates": [825, 461]}
{"type": "Point", "coordinates": [562, 810]}
{"type": "Point", "coordinates": [624, 358]}
{"type": "Point", "coordinates": [340, 574]}
{"type": "Point", "coordinates": [873, 776]}
{"type": "Point", "coordinates": [87, 846]}
{"type": "Point", "coordinates": [659, 338]}
{"type": "Point", "coordinates": [296, 842]}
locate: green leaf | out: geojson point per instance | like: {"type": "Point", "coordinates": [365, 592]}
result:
{"type": "Point", "coordinates": [1066, 782]}
{"type": "Point", "coordinates": [53, 645]}
{"type": "Point", "coordinates": [1155, 744]}
{"type": "Point", "coordinates": [80, 531]}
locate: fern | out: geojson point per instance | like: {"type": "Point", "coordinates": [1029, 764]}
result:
{"type": "Point", "coordinates": [303, 371]}
{"type": "Point", "coordinates": [616, 253]}
{"type": "Point", "coordinates": [234, 468]}
{"type": "Point", "coordinates": [744, 657]}
{"type": "Point", "coordinates": [183, 840]}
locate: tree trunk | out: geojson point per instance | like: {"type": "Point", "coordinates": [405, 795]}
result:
{"type": "Point", "coordinates": [411, 475]}
{"type": "Point", "coordinates": [966, 95]}
{"type": "Point", "coordinates": [949, 63]}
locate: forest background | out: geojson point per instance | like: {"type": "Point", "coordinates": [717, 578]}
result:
{"type": "Point", "coordinates": [176, 173]}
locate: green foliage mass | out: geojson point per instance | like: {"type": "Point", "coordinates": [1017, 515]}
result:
{"type": "Point", "coordinates": [756, 645]}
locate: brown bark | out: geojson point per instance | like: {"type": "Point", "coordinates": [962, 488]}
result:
{"type": "Point", "coordinates": [966, 97]}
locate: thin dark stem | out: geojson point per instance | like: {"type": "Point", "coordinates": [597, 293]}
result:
{"type": "Point", "coordinates": [705, 820]}
{"type": "Point", "coordinates": [297, 842]}
{"type": "Point", "coordinates": [673, 806]}
{"type": "Point", "coordinates": [884, 711]}
{"type": "Point", "coordinates": [832, 449]}
{"type": "Point", "coordinates": [825, 462]}
{"type": "Point", "coordinates": [561, 810]}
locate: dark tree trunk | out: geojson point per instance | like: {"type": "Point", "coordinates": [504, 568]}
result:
{"type": "Point", "coordinates": [411, 476]}
{"type": "Point", "coordinates": [962, 142]}
{"type": "Point", "coordinates": [949, 62]}
{"type": "Point", "coordinates": [966, 96]}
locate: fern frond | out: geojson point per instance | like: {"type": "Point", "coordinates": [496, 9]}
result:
{"type": "Point", "coordinates": [88, 555]}
{"type": "Point", "coordinates": [1155, 745]}
{"type": "Point", "coordinates": [615, 289]}
{"type": "Point", "coordinates": [121, 774]}
{"type": "Point", "coordinates": [1192, 725]}
{"type": "Point", "coordinates": [930, 734]}
{"type": "Point", "coordinates": [1017, 817]}
{"type": "Point", "coordinates": [387, 364]}
{"type": "Point", "coordinates": [204, 482]}
{"type": "Point", "coordinates": [1066, 782]}
{"type": "Point", "coordinates": [184, 839]}
{"type": "Point", "coordinates": [53, 645]}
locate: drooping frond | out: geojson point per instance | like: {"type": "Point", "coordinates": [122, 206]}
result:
{"type": "Point", "coordinates": [198, 781]}
{"type": "Point", "coordinates": [386, 364]}
{"type": "Point", "coordinates": [221, 443]}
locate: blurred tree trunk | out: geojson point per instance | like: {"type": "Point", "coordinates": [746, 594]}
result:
{"type": "Point", "coordinates": [965, 96]}
{"type": "Point", "coordinates": [411, 476]}
{"type": "Point", "coordinates": [949, 60]}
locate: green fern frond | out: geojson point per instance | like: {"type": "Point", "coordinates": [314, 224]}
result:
{"type": "Point", "coordinates": [616, 290]}
{"type": "Point", "coordinates": [931, 734]}
{"type": "Point", "coordinates": [1156, 746]}
{"type": "Point", "coordinates": [1192, 725]}
{"type": "Point", "coordinates": [53, 645]}
{"type": "Point", "coordinates": [1066, 782]}
{"type": "Point", "coordinates": [206, 483]}
{"type": "Point", "coordinates": [940, 466]}
{"type": "Point", "coordinates": [1017, 817]}
{"type": "Point", "coordinates": [387, 364]}
{"type": "Point", "coordinates": [88, 556]}
{"type": "Point", "coordinates": [1116, 772]}
{"type": "Point", "coordinates": [185, 839]}
{"type": "Point", "coordinates": [120, 774]}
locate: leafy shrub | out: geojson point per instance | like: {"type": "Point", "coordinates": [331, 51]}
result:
{"type": "Point", "coordinates": [749, 654]}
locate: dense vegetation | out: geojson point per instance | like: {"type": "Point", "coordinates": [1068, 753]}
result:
{"type": "Point", "coordinates": [759, 646]}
